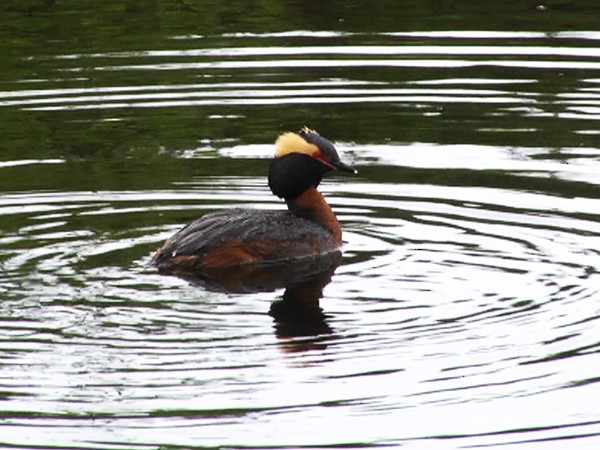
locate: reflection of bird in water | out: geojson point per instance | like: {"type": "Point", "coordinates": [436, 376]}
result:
{"type": "Point", "coordinates": [242, 237]}
{"type": "Point", "coordinates": [298, 313]}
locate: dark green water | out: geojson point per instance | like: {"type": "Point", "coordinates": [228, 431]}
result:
{"type": "Point", "coordinates": [465, 308]}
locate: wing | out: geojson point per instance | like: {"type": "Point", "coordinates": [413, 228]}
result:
{"type": "Point", "coordinates": [241, 236]}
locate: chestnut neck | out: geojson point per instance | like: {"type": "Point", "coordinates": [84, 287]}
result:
{"type": "Point", "coordinates": [311, 205]}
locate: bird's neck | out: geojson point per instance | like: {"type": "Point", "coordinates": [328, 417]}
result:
{"type": "Point", "coordinates": [311, 205]}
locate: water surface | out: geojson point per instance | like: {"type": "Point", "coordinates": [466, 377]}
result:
{"type": "Point", "coordinates": [463, 311]}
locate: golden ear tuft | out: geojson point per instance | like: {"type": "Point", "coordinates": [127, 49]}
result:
{"type": "Point", "coordinates": [309, 130]}
{"type": "Point", "coordinates": [293, 143]}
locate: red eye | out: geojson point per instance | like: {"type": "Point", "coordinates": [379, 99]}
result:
{"type": "Point", "coordinates": [319, 157]}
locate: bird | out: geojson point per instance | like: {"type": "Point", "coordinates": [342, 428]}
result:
{"type": "Point", "coordinates": [241, 237]}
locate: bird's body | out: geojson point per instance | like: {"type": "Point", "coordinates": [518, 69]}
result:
{"type": "Point", "coordinates": [237, 237]}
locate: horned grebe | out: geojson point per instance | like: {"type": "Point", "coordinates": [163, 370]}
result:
{"type": "Point", "coordinates": [237, 237]}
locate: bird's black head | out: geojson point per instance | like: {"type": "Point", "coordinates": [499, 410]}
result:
{"type": "Point", "coordinates": [301, 161]}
